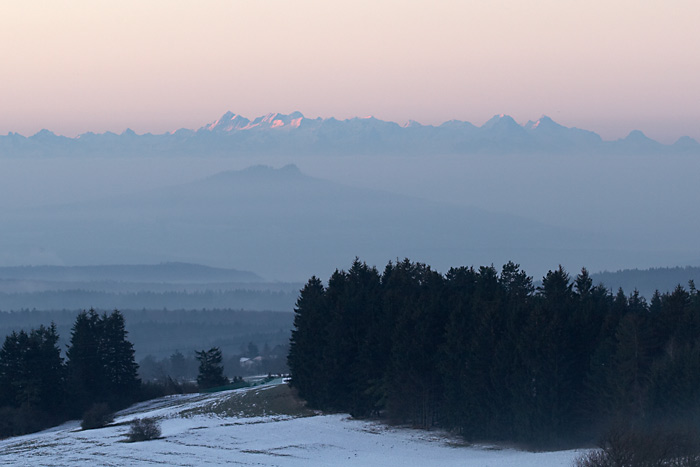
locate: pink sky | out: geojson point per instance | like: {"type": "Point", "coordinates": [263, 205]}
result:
{"type": "Point", "coordinates": [160, 65]}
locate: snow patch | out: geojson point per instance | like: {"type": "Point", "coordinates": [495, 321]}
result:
{"type": "Point", "coordinates": [272, 440]}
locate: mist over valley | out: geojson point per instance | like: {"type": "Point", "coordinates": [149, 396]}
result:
{"type": "Point", "coordinates": [212, 250]}
{"type": "Point", "coordinates": [350, 233]}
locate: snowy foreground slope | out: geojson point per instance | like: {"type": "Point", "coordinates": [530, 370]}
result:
{"type": "Point", "coordinates": [255, 427]}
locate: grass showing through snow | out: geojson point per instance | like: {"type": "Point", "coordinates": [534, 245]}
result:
{"type": "Point", "coordinates": [261, 426]}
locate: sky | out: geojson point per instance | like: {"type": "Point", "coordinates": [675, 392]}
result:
{"type": "Point", "coordinates": [159, 65]}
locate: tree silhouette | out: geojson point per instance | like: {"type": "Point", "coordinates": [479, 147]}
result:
{"type": "Point", "coordinates": [101, 365]}
{"type": "Point", "coordinates": [211, 371]}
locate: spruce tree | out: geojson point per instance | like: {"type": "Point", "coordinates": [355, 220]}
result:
{"type": "Point", "coordinates": [414, 389]}
{"type": "Point", "coordinates": [308, 344]}
{"type": "Point", "coordinates": [460, 288]}
{"type": "Point", "coordinates": [49, 370]}
{"type": "Point", "coordinates": [86, 379]}
{"type": "Point", "coordinates": [631, 365]}
{"type": "Point", "coordinates": [362, 315]}
{"type": "Point", "coordinates": [101, 364]}
{"type": "Point", "coordinates": [118, 362]}
{"type": "Point", "coordinates": [11, 368]}
{"type": "Point", "coordinates": [211, 371]}
{"type": "Point", "coordinates": [31, 380]}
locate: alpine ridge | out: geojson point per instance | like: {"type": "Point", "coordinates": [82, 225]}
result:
{"type": "Point", "coordinates": [294, 134]}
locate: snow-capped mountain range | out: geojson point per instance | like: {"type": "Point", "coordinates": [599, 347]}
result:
{"type": "Point", "coordinates": [277, 133]}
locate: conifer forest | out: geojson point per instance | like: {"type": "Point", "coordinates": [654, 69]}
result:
{"type": "Point", "coordinates": [37, 389]}
{"type": "Point", "coordinates": [491, 356]}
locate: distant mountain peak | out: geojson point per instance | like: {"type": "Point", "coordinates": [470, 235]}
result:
{"type": "Point", "coordinates": [686, 142]}
{"type": "Point", "coordinates": [262, 168]}
{"type": "Point", "coordinates": [412, 124]}
{"type": "Point", "coordinates": [44, 133]}
{"type": "Point", "coordinates": [232, 122]}
{"type": "Point", "coordinates": [457, 124]}
{"type": "Point", "coordinates": [290, 168]}
{"type": "Point", "coordinates": [228, 122]}
{"type": "Point", "coordinates": [259, 172]}
{"type": "Point", "coordinates": [544, 123]}
{"type": "Point", "coordinates": [500, 121]}
{"type": "Point", "coordinates": [637, 135]}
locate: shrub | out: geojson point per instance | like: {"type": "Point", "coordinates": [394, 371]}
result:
{"type": "Point", "coordinates": [97, 416]}
{"type": "Point", "coordinates": [675, 446]}
{"type": "Point", "coordinates": [144, 429]}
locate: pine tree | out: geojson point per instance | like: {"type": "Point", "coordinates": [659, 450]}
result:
{"type": "Point", "coordinates": [557, 289]}
{"type": "Point", "coordinates": [309, 344]}
{"type": "Point", "coordinates": [211, 371]}
{"type": "Point", "coordinates": [460, 288]}
{"type": "Point", "coordinates": [362, 316]}
{"type": "Point", "coordinates": [49, 371]}
{"type": "Point", "coordinates": [631, 364]}
{"type": "Point", "coordinates": [488, 345]}
{"type": "Point", "coordinates": [547, 356]}
{"type": "Point", "coordinates": [101, 365]}
{"type": "Point", "coordinates": [86, 379]}
{"type": "Point", "coordinates": [414, 384]}
{"type": "Point", "coordinates": [583, 284]}
{"type": "Point", "coordinates": [11, 368]}
{"type": "Point", "coordinates": [118, 362]}
{"type": "Point", "coordinates": [31, 380]}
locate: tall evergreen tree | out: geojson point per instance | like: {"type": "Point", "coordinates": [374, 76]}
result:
{"type": "Point", "coordinates": [414, 381]}
{"type": "Point", "coordinates": [354, 303]}
{"type": "Point", "coordinates": [309, 344]}
{"type": "Point", "coordinates": [488, 345]}
{"type": "Point", "coordinates": [12, 368]}
{"type": "Point", "coordinates": [31, 380]}
{"type": "Point", "coordinates": [460, 286]}
{"type": "Point", "coordinates": [118, 361]}
{"type": "Point", "coordinates": [631, 365]}
{"type": "Point", "coordinates": [86, 378]}
{"type": "Point", "coordinates": [211, 371]}
{"type": "Point", "coordinates": [547, 355]}
{"type": "Point", "coordinates": [31, 370]}
{"type": "Point", "coordinates": [101, 365]}
{"type": "Point", "coordinates": [47, 365]}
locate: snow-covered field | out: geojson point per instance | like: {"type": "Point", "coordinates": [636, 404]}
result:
{"type": "Point", "coordinates": [215, 429]}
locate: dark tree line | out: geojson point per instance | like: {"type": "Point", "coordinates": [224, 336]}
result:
{"type": "Point", "coordinates": [489, 356]}
{"type": "Point", "coordinates": [39, 389]}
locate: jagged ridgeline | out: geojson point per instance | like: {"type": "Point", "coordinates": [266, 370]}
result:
{"type": "Point", "coordinates": [490, 356]}
{"type": "Point", "coordinates": [298, 135]}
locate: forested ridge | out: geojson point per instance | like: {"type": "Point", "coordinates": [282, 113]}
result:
{"type": "Point", "coordinates": [490, 356]}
